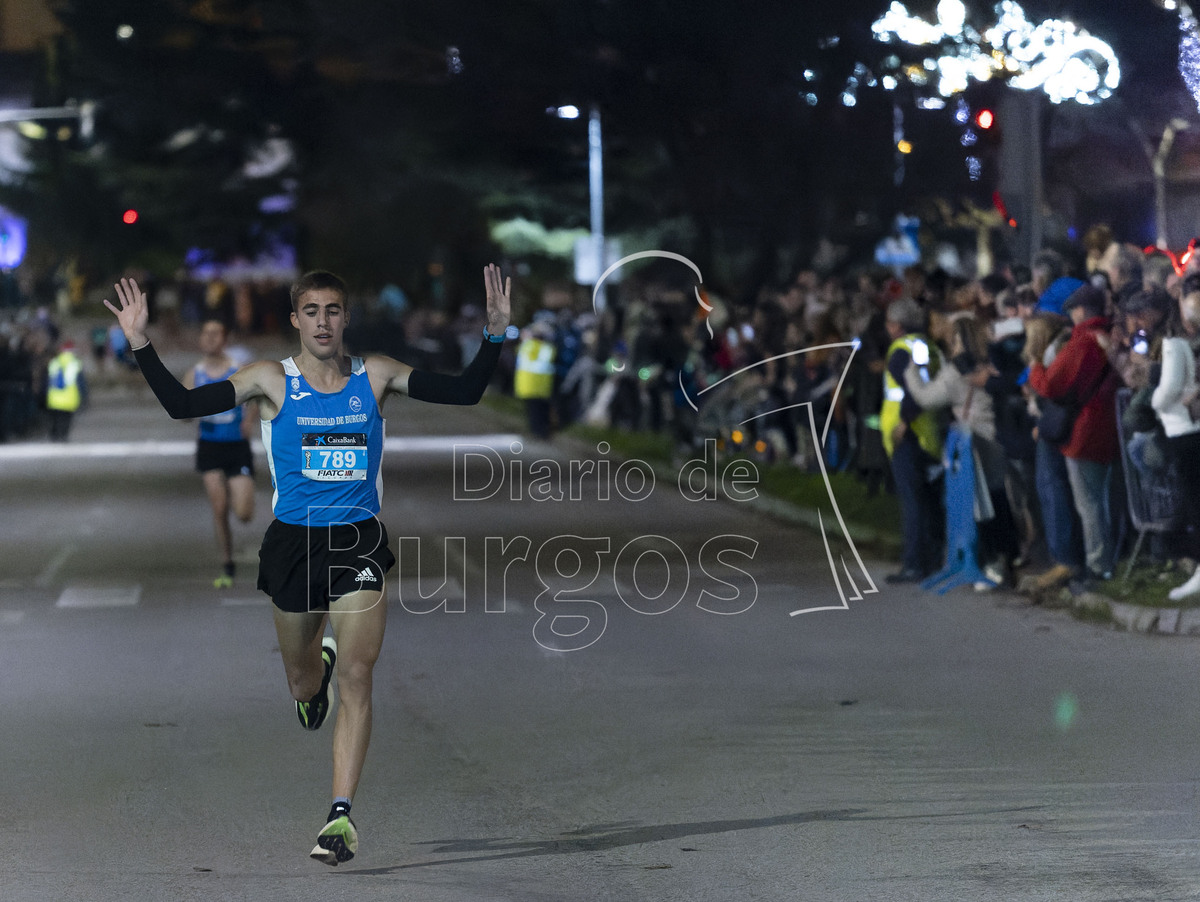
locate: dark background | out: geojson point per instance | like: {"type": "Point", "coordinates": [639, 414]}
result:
{"type": "Point", "coordinates": [413, 126]}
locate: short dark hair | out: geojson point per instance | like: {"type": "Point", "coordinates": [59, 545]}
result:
{"type": "Point", "coordinates": [1087, 296]}
{"type": "Point", "coordinates": [994, 284]}
{"type": "Point", "coordinates": [316, 280]}
{"type": "Point", "coordinates": [1154, 298]}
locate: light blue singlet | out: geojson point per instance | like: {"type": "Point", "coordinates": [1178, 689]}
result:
{"type": "Point", "coordinates": [324, 451]}
{"type": "Point", "coordinates": [219, 427]}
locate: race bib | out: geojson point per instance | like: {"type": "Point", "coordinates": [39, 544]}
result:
{"type": "Point", "coordinates": [334, 456]}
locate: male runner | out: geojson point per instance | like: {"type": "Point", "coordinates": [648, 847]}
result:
{"type": "Point", "coordinates": [223, 456]}
{"type": "Point", "coordinates": [325, 555]}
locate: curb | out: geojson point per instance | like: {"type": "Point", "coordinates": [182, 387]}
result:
{"type": "Point", "coordinates": [1136, 618]}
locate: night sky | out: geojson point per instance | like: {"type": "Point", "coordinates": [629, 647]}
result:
{"type": "Point", "coordinates": [707, 125]}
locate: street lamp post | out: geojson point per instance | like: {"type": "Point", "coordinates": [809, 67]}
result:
{"type": "Point", "coordinates": [596, 197]}
{"type": "Point", "coordinates": [595, 188]}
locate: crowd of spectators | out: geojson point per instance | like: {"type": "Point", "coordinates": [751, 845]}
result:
{"type": "Point", "coordinates": [27, 345]}
{"type": "Point", "coordinates": [1073, 377]}
{"type": "Point", "coordinates": [866, 374]}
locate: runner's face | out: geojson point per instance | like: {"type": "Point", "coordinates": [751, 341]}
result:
{"type": "Point", "coordinates": [212, 338]}
{"type": "Point", "coordinates": [321, 318]}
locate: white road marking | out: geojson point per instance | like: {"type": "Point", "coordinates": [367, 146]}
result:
{"type": "Point", "coordinates": [67, 450]}
{"type": "Point", "coordinates": [50, 571]}
{"type": "Point", "coordinates": [91, 596]}
{"type": "Point", "coordinates": [245, 602]}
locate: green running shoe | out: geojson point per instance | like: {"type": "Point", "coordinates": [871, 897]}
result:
{"type": "Point", "coordinates": [338, 839]}
{"type": "Point", "coordinates": [313, 712]}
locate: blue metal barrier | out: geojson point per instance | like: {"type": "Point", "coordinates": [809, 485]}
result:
{"type": "Point", "coordinates": [962, 535]}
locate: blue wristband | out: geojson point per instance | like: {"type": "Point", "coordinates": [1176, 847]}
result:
{"type": "Point", "coordinates": [510, 332]}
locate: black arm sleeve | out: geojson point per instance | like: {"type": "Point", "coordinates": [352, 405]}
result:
{"type": "Point", "coordinates": [465, 388]}
{"type": "Point", "coordinates": [182, 403]}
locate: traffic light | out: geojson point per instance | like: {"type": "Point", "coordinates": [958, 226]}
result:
{"type": "Point", "coordinates": [130, 216]}
{"type": "Point", "coordinates": [983, 153]}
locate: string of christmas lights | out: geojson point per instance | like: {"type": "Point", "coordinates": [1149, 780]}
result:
{"type": "Point", "coordinates": [1056, 56]}
{"type": "Point", "coordinates": [1189, 51]}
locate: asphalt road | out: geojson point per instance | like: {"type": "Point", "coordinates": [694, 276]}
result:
{"type": "Point", "coordinates": [603, 699]}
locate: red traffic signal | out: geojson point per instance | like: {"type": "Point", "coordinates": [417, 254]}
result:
{"type": "Point", "coordinates": [985, 119]}
{"type": "Point", "coordinates": [129, 217]}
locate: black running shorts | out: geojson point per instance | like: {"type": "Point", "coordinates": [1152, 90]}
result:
{"type": "Point", "coordinates": [303, 568]}
{"type": "Point", "coordinates": [231, 458]}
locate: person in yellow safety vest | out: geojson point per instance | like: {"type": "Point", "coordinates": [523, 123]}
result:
{"type": "Point", "coordinates": [913, 441]}
{"type": "Point", "coordinates": [66, 390]}
{"type": "Point", "coordinates": [925, 425]}
{"type": "Point", "coordinates": [533, 380]}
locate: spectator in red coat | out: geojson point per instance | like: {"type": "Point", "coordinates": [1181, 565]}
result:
{"type": "Point", "coordinates": [1082, 372]}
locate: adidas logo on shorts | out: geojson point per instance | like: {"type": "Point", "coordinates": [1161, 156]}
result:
{"type": "Point", "coordinates": [365, 576]}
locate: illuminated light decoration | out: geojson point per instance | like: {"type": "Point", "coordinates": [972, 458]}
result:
{"type": "Point", "coordinates": [1189, 51]}
{"type": "Point", "coordinates": [903, 145]}
{"type": "Point", "coordinates": [129, 217]}
{"type": "Point", "coordinates": [974, 168]}
{"type": "Point", "coordinates": [861, 76]}
{"type": "Point", "coordinates": [1001, 207]}
{"type": "Point", "coordinates": [13, 231]}
{"type": "Point", "coordinates": [1061, 59]}
{"type": "Point", "coordinates": [34, 131]}
{"type": "Point", "coordinates": [985, 119]}
{"type": "Point", "coordinates": [909, 29]}
{"type": "Point", "coordinates": [1179, 262]}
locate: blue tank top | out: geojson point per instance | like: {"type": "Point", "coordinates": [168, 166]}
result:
{"type": "Point", "coordinates": [324, 451]}
{"type": "Point", "coordinates": [219, 427]}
